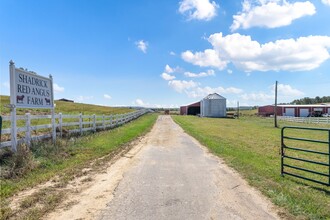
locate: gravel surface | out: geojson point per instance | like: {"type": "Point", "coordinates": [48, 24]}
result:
{"type": "Point", "coordinates": [175, 178]}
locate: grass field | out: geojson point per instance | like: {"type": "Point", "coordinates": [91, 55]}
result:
{"type": "Point", "coordinates": [66, 159]}
{"type": "Point", "coordinates": [65, 108]}
{"type": "Point", "coordinates": [251, 145]}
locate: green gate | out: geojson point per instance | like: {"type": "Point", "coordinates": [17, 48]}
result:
{"type": "Point", "coordinates": [287, 159]}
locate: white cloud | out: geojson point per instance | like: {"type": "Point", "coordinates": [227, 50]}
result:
{"type": "Point", "coordinates": [139, 102]}
{"type": "Point", "coordinates": [6, 85]}
{"type": "Point", "coordinates": [201, 74]}
{"type": "Point", "coordinates": [182, 85]}
{"type": "Point", "coordinates": [229, 71]}
{"type": "Point", "coordinates": [202, 92]}
{"type": "Point", "coordinates": [167, 76]}
{"type": "Point", "coordinates": [257, 97]}
{"type": "Point", "coordinates": [326, 2]}
{"type": "Point", "coordinates": [172, 53]}
{"type": "Point", "coordinates": [106, 96]}
{"type": "Point", "coordinates": [304, 53]}
{"type": "Point", "coordinates": [285, 94]}
{"type": "Point", "coordinates": [270, 13]}
{"type": "Point", "coordinates": [57, 88]}
{"type": "Point", "coordinates": [208, 58]}
{"type": "Point", "coordinates": [287, 90]}
{"type": "Point", "coordinates": [142, 45]}
{"type": "Point", "coordinates": [84, 98]}
{"type": "Point", "coordinates": [168, 69]}
{"type": "Point", "coordinates": [198, 9]}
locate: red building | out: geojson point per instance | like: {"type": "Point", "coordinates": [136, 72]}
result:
{"type": "Point", "coordinates": [192, 109]}
{"type": "Point", "coordinates": [295, 110]}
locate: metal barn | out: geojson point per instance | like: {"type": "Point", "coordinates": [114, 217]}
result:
{"type": "Point", "coordinates": [192, 109]}
{"type": "Point", "coordinates": [295, 110]}
{"type": "Point", "coordinates": [213, 105]}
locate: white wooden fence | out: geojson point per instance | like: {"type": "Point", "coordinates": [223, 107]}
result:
{"type": "Point", "coordinates": [309, 120]}
{"type": "Point", "coordinates": [82, 123]}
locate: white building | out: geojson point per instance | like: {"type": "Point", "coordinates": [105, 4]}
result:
{"type": "Point", "coordinates": [213, 105]}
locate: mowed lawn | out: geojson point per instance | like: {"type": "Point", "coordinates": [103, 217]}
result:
{"type": "Point", "coordinates": [251, 145]}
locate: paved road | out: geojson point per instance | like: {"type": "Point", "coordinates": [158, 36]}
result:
{"type": "Point", "coordinates": [173, 177]}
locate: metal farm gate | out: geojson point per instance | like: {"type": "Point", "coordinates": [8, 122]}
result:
{"type": "Point", "coordinates": [318, 165]}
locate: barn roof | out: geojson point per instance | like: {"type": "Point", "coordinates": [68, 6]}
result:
{"type": "Point", "coordinates": [214, 96]}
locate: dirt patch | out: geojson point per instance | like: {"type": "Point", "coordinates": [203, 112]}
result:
{"type": "Point", "coordinates": [63, 191]}
{"type": "Point", "coordinates": [185, 179]}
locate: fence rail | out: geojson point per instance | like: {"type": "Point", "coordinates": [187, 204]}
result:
{"type": "Point", "coordinates": [286, 158]}
{"type": "Point", "coordinates": [307, 120]}
{"type": "Point", "coordinates": [64, 124]}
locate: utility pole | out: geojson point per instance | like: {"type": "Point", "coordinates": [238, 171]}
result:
{"type": "Point", "coordinates": [237, 109]}
{"type": "Point", "coordinates": [275, 107]}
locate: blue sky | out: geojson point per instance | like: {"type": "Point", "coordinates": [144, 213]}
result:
{"type": "Point", "coordinates": [170, 53]}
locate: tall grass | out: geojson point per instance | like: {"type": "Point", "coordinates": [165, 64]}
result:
{"type": "Point", "coordinates": [46, 160]}
{"type": "Point", "coordinates": [65, 108]}
{"type": "Point", "coordinates": [251, 145]}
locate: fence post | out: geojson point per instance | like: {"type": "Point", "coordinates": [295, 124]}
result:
{"type": "Point", "coordinates": [80, 123]}
{"type": "Point", "coordinates": [111, 121]}
{"type": "Point", "coordinates": [329, 156]}
{"type": "Point", "coordinates": [53, 126]}
{"type": "Point", "coordinates": [28, 129]}
{"type": "Point", "coordinates": [13, 133]}
{"type": "Point", "coordinates": [103, 122]}
{"type": "Point", "coordinates": [60, 120]}
{"type": "Point", "coordinates": [94, 123]}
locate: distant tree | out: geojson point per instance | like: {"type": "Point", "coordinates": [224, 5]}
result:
{"type": "Point", "coordinates": [307, 100]}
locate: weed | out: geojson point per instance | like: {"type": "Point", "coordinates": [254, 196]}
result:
{"type": "Point", "coordinates": [250, 145]}
{"type": "Point", "coordinates": [5, 210]}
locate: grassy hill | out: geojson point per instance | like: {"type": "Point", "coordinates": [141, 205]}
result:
{"type": "Point", "coordinates": [65, 108]}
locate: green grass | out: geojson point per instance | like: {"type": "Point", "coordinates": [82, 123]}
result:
{"type": "Point", "coordinates": [65, 108]}
{"type": "Point", "coordinates": [70, 155]}
{"type": "Point", "coordinates": [251, 145]}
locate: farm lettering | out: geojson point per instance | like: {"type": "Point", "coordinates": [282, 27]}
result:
{"type": "Point", "coordinates": [34, 101]}
{"type": "Point", "coordinates": [33, 91]}
{"type": "Point", "coordinates": [32, 81]}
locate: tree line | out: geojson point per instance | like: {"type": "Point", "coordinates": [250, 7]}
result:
{"type": "Point", "coordinates": [307, 100]}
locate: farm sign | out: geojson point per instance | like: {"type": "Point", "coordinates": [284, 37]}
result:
{"type": "Point", "coordinates": [29, 90]}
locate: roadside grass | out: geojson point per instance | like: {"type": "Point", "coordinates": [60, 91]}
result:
{"type": "Point", "coordinates": [65, 160]}
{"type": "Point", "coordinates": [251, 145]}
{"type": "Point", "coordinates": [65, 108]}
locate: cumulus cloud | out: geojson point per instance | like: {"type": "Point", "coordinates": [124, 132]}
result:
{"type": "Point", "coordinates": [270, 13]}
{"type": "Point", "coordinates": [204, 91]}
{"type": "Point", "coordinates": [182, 85]}
{"type": "Point", "coordinates": [6, 85]}
{"type": "Point", "coordinates": [326, 2]}
{"type": "Point", "coordinates": [198, 9]}
{"type": "Point", "coordinates": [84, 98]}
{"type": "Point", "coordinates": [106, 96]}
{"type": "Point", "coordinates": [287, 90]}
{"type": "Point", "coordinates": [58, 88]}
{"type": "Point", "coordinates": [257, 97]}
{"type": "Point", "coordinates": [142, 45]}
{"type": "Point", "coordinates": [139, 102]}
{"type": "Point", "coordinates": [201, 74]}
{"type": "Point", "coordinates": [168, 69]}
{"type": "Point", "coordinates": [301, 54]}
{"type": "Point", "coordinates": [167, 76]}
{"type": "Point", "coordinates": [208, 58]}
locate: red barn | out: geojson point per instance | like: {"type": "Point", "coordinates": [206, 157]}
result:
{"type": "Point", "coordinates": [295, 110]}
{"type": "Point", "coordinates": [192, 109]}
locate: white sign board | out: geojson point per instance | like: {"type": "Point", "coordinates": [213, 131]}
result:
{"type": "Point", "coordinates": [31, 90]}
